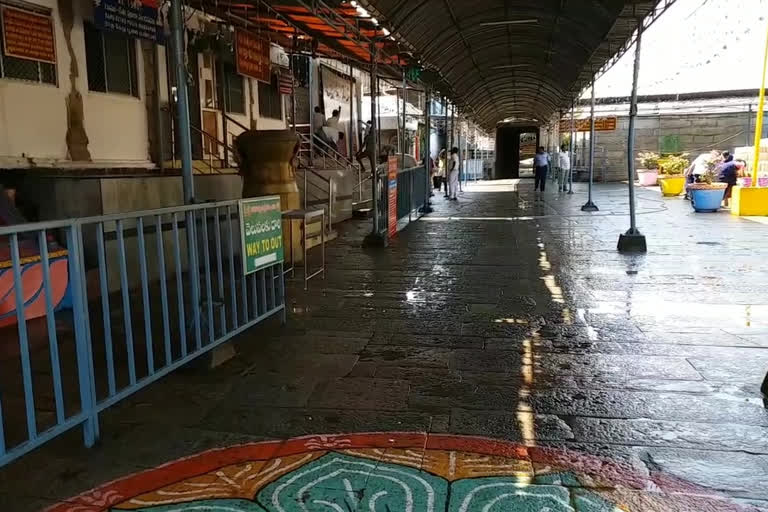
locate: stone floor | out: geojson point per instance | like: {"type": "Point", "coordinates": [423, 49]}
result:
{"type": "Point", "coordinates": [610, 382]}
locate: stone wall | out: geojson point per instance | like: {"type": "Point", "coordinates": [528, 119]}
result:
{"type": "Point", "coordinates": [689, 133]}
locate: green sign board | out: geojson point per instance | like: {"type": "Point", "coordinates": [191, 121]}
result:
{"type": "Point", "coordinates": [669, 144]}
{"type": "Point", "coordinates": [261, 231]}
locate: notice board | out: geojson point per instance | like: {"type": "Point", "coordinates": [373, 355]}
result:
{"type": "Point", "coordinates": [392, 195]}
{"type": "Point", "coordinates": [261, 232]}
{"type": "Point", "coordinates": [135, 18]}
{"type": "Point", "coordinates": [252, 56]}
{"type": "Point", "coordinates": [28, 35]}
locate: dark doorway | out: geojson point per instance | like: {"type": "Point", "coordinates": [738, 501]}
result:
{"type": "Point", "coordinates": [508, 149]}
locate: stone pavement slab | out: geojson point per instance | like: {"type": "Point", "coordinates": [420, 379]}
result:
{"type": "Point", "coordinates": [510, 358]}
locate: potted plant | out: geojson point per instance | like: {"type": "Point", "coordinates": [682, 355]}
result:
{"type": "Point", "coordinates": [649, 168]}
{"type": "Point", "coordinates": [671, 177]}
{"type": "Point", "coordinates": [707, 194]}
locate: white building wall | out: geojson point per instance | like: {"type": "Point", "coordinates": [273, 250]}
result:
{"type": "Point", "coordinates": [33, 117]}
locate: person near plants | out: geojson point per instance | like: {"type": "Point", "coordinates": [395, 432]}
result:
{"type": "Point", "coordinates": [541, 165]}
{"type": "Point", "coordinates": [728, 172]}
{"type": "Point", "coordinates": [698, 168]}
{"type": "Point", "coordinates": [453, 175]}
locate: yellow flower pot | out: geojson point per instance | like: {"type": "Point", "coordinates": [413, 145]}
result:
{"type": "Point", "coordinates": [671, 185]}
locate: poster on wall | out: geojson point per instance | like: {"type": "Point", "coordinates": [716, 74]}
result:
{"type": "Point", "coordinates": [28, 35]}
{"type": "Point", "coordinates": [252, 56]}
{"type": "Point", "coordinates": [337, 91]}
{"type": "Point", "coordinates": [392, 195]}
{"type": "Point", "coordinates": [134, 18]}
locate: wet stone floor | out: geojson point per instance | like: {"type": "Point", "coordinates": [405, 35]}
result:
{"type": "Point", "coordinates": [508, 357]}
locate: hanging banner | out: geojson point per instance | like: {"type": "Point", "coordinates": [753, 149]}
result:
{"type": "Point", "coordinates": [261, 232]}
{"type": "Point", "coordinates": [602, 124]}
{"type": "Point", "coordinates": [252, 56]}
{"type": "Point", "coordinates": [134, 18]}
{"type": "Point", "coordinates": [392, 195]}
{"type": "Point", "coordinates": [28, 35]}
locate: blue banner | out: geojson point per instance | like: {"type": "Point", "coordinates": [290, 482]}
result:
{"type": "Point", "coordinates": [134, 18]}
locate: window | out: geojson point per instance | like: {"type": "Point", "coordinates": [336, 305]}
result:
{"type": "Point", "coordinates": [24, 69]}
{"type": "Point", "coordinates": [231, 92]}
{"type": "Point", "coordinates": [111, 62]}
{"type": "Point", "coordinates": [270, 100]}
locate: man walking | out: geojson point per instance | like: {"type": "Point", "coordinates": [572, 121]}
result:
{"type": "Point", "coordinates": [541, 165]}
{"type": "Point", "coordinates": [453, 175]}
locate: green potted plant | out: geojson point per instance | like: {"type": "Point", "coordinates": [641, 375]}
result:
{"type": "Point", "coordinates": [648, 171]}
{"type": "Point", "coordinates": [707, 193]}
{"type": "Point", "coordinates": [671, 174]}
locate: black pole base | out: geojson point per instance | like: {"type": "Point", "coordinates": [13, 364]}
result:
{"type": "Point", "coordinates": [427, 208]}
{"type": "Point", "coordinates": [375, 240]}
{"type": "Point", "coordinates": [632, 241]}
{"type": "Point", "coordinates": [589, 206]}
{"type": "Point", "coordinates": [764, 389]}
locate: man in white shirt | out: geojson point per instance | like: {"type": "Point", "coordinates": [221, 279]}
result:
{"type": "Point", "coordinates": [453, 175]}
{"type": "Point", "coordinates": [318, 120]}
{"type": "Point", "coordinates": [564, 162]}
{"type": "Point", "coordinates": [541, 166]}
{"type": "Point", "coordinates": [333, 121]}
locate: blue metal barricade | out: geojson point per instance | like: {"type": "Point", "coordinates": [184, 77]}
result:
{"type": "Point", "coordinates": [104, 306]}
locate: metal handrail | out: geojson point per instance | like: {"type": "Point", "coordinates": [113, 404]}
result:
{"type": "Point", "coordinates": [217, 141]}
{"type": "Point", "coordinates": [238, 123]}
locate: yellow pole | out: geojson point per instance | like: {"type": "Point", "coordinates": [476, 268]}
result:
{"type": "Point", "coordinates": [759, 123]}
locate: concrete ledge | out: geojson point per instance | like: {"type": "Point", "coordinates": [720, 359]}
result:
{"type": "Point", "coordinates": [749, 201]}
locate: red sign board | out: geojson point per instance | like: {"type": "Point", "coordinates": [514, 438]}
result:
{"type": "Point", "coordinates": [286, 82]}
{"type": "Point", "coordinates": [28, 35]}
{"type": "Point", "coordinates": [602, 124]}
{"type": "Point", "coordinates": [252, 56]}
{"type": "Point", "coordinates": [392, 194]}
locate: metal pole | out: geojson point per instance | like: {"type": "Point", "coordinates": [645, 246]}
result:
{"type": "Point", "coordinates": [182, 105]}
{"type": "Point", "coordinates": [375, 238]}
{"type": "Point", "coordinates": [427, 208]}
{"type": "Point", "coordinates": [397, 122]}
{"type": "Point", "coordinates": [311, 116]}
{"type": "Point", "coordinates": [759, 122]}
{"type": "Point", "coordinates": [572, 148]}
{"type": "Point", "coordinates": [403, 142]}
{"type": "Point", "coordinates": [633, 240]}
{"type": "Point", "coordinates": [352, 125]}
{"type": "Point", "coordinates": [589, 206]}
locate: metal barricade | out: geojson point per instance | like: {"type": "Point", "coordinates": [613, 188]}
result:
{"type": "Point", "coordinates": [146, 293]}
{"type": "Point", "coordinates": [411, 192]}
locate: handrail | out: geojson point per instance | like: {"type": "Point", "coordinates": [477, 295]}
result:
{"type": "Point", "coordinates": [238, 123]}
{"type": "Point", "coordinates": [333, 153]}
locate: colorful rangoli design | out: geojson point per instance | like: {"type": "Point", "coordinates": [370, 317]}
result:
{"type": "Point", "coordinates": [394, 473]}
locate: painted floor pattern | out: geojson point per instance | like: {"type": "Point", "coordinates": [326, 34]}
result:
{"type": "Point", "coordinates": [388, 472]}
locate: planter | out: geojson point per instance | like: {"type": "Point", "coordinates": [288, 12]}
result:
{"type": "Point", "coordinates": [707, 198]}
{"type": "Point", "coordinates": [671, 185]}
{"type": "Point", "coordinates": [647, 177]}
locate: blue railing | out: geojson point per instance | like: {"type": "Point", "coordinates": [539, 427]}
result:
{"type": "Point", "coordinates": [411, 192]}
{"type": "Point", "coordinates": [111, 304]}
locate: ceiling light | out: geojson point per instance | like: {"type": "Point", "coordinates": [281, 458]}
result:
{"type": "Point", "coordinates": [510, 66]}
{"type": "Point", "coordinates": [509, 22]}
{"type": "Point", "coordinates": [374, 21]}
{"type": "Point", "coordinates": [353, 3]}
{"type": "Point", "coordinates": [386, 31]}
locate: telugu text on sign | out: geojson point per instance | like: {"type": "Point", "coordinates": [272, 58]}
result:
{"type": "Point", "coordinates": [133, 18]}
{"type": "Point", "coordinates": [252, 56]}
{"type": "Point", "coordinates": [261, 232]}
{"type": "Point", "coordinates": [27, 35]}
{"type": "Point", "coordinates": [602, 124]}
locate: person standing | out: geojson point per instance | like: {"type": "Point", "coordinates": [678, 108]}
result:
{"type": "Point", "coordinates": [333, 121]}
{"type": "Point", "coordinates": [564, 162]}
{"type": "Point", "coordinates": [453, 175]}
{"type": "Point", "coordinates": [541, 165]}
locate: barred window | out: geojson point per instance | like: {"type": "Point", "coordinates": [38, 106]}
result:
{"type": "Point", "coordinates": [24, 69]}
{"type": "Point", "coordinates": [231, 91]}
{"type": "Point", "coordinates": [270, 100]}
{"type": "Point", "coordinates": [110, 61]}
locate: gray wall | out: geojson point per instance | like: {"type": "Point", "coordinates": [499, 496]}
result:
{"type": "Point", "coordinates": [690, 133]}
